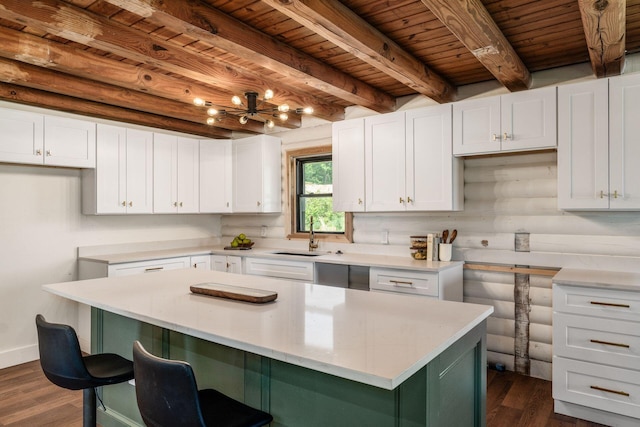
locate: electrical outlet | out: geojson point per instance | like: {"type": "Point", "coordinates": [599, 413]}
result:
{"type": "Point", "coordinates": [263, 231]}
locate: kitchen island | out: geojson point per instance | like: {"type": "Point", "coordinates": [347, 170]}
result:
{"type": "Point", "coordinates": [317, 355]}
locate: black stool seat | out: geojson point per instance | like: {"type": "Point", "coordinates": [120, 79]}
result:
{"type": "Point", "coordinates": [168, 395]}
{"type": "Point", "coordinates": [65, 366]}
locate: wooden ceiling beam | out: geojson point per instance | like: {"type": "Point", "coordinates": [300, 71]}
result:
{"type": "Point", "coordinates": [80, 63]}
{"type": "Point", "coordinates": [24, 95]}
{"type": "Point", "coordinates": [472, 24]}
{"type": "Point", "coordinates": [604, 24]}
{"type": "Point", "coordinates": [212, 26]}
{"type": "Point", "coordinates": [81, 26]}
{"type": "Point", "coordinates": [63, 84]}
{"type": "Point", "coordinates": [341, 26]}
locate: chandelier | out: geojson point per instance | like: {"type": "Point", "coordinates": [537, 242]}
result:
{"type": "Point", "coordinates": [253, 109]}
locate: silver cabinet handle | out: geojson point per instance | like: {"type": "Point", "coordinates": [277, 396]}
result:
{"type": "Point", "coordinates": [401, 200]}
{"type": "Point", "coordinates": [180, 204]}
{"type": "Point", "coordinates": [506, 136]}
{"type": "Point", "coordinates": [409, 200]}
{"type": "Point", "coordinates": [152, 269]}
{"type": "Point", "coordinates": [38, 152]}
{"type": "Point", "coordinates": [615, 194]}
{"type": "Point", "coordinates": [494, 137]}
{"type": "Point", "coordinates": [124, 203]}
{"type": "Point", "coordinates": [49, 153]}
{"type": "Point", "coordinates": [131, 204]}
{"type": "Point", "coordinates": [258, 203]}
{"type": "Point", "coordinates": [359, 201]}
{"type": "Point", "coordinates": [175, 204]}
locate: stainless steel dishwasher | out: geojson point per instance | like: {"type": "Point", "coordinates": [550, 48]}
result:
{"type": "Point", "coordinates": [342, 276]}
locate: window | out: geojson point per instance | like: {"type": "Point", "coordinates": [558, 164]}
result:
{"type": "Point", "coordinates": [311, 195]}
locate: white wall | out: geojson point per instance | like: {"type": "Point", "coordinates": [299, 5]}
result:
{"type": "Point", "coordinates": [41, 227]}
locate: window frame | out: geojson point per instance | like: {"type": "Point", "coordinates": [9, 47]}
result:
{"type": "Point", "coordinates": [291, 197]}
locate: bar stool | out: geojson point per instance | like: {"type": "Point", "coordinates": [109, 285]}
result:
{"type": "Point", "coordinates": [64, 365]}
{"type": "Point", "coordinates": [168, 395]}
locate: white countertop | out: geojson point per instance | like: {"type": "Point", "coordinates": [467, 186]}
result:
{"type": "Point", "coordinates": [598, 279]}
{"type": "Point", "coordinates": [326, 257]}
{"type": "Point", "coordinates": [379, 339]}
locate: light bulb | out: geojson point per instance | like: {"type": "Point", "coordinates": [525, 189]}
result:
{"type": "Point", "coordinates": [307, 110]}
{"type": "Point", "coordinates": [212, 111]}
{"type": "Point", "coordinates": [236, 100]}
{"type": "Point", "coordinates": [283, 108]}
{"type": "Point", "coordinates": [283, 116]}
{"type": "Point", "coordinates": [210, 120]}
{"type": "Point", "coordinates": [270, 124]}
{"type": "Point", "coordinates": [243, 120]}
{"type": "Point", "coordinates": [199, 102]}
{"type": "Point", "coordinates": [268, 94]}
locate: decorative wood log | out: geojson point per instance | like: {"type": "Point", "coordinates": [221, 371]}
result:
{"type": "Point", "coordinates": [470, 22]}
{"type": "Point", "coordinates": [219, 29]}
{"type": "Point", "coordinates": [521, 342]}
{"type": "Point", "coordinates": [23, 95]}
{"type": "Point", "coordinates": [604, 29]}
{"type": "Point", "coordinates": [338, 24]}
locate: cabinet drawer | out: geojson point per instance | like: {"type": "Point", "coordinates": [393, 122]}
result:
{"type": "Point", "coordinates": [598, 302]}
{"type": "Point", "coordinates": [405, 281]}
{"type": "Point", "coordinates": [606, 341]}
{"type": "Point", "coordinates": [601, 387]}
{"type": "Point", "coordinates": [141, 267]}
{"type": "Point", "coordinates": [297, 270]}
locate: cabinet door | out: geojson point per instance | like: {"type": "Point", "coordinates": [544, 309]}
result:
{"type": "Point", "coordinates": [218, 262]}
{"type": "Point", "coordinates": [384, 153]}
{"type": "Point", "coordinates": [476, 126]}
{"type": "Point", "coordinates": [21, 136]}
{"type": "Point", "coordinates": [165, 174]}
{"type": "Point", "coordinates": [188, 175]}
{"type": "Point", "coordinates": [348, 165]}
{"type": "Point", "coordinates": [202, 262]}
{"type": "Point", "coordinates": [257, 163]}
{"type": "Point", "coordinates": [247, 176]}
{"type": "Point", "coordinates": [215, 175]}
{"type": "Point", "coordinates": [583, 145]}
{"type": "Point", "coordinates": [429, 159]}
{"type": "Point", "coordinates": [528, 120]}
{"type": "Point", "coordinates": [624, 143]}
{"type": "Point", "coordinates": [111, 171]}
{"type": "Point", "coordinates": [234, 264]}
{"type": "Point", "coordinates": [69, 142]}
{"type": "Point", "coordinates": [139, 171]}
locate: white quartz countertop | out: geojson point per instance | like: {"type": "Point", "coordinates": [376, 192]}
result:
{"type": "Point", "coordinates": [324, 257]}
{"type": "Point", "coordinates": [379, 339]}
{"type": "Point", "coordinates": [598, 279]}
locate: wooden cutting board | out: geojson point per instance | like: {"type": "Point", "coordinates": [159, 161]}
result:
{"type": "Point", "coordinates": [239, 293]}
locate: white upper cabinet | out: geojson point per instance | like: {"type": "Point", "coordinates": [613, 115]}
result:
{"type": "Point", "coordinates": [21, 136]}
{"type": "Point", "coordinates": [216, 176]}
{"type": "Point", "coordinates": [434, 178]}
{"type": "Point", "coordinates": [384, 153]}
{"type": "Point", "coordinates": [34, 138]}
{"type": "Point", "coordinates": [514, 122]}
{"type": "Point", "coordinates": [122, 182]}
{"type": "Point", "coordinates": [69, 142]}
{"type": "Point", "coordinates": [598, 144]}
{"type": "Point", "coordinates": [176, 174]}
{"type": "Point", "coordinates": [348, 165]}
{"type": "Point", "coordinates": [257, 174]}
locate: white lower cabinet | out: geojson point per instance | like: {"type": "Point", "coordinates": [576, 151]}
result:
{"type": "Point", "coordinates": [596, 353]}
{"type": "Point", "coordinates": [226, 263]}
{"type": "Point", "coordinates": [285, 269]}
{"type": "Point", "coordinates": [202, 262]}
{"type": "Point", "coordinates": [142, 267]}
{"type": "Point", "coordinates": [444, 284]}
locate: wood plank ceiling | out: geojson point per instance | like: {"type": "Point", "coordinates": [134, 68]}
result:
{"type": "Point", "coordinates": [144, 61]}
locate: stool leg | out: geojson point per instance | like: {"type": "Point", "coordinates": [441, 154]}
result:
{"type": "Point", "coordinates": [89, 407]}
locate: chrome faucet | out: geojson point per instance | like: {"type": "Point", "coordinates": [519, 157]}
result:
{"type": "Point", "coordinates": [312, 240]}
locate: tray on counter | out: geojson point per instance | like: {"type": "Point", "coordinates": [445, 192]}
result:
{"type": "Point", "coordinates": [239, 293]}
{"type": "Point", "coordinates": [237, 248]}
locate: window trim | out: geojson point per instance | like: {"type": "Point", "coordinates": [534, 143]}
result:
{"type": "Point", "coordinates": [290, 221]}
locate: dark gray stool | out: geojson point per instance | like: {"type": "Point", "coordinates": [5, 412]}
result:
{"type": "Point", "coordinates": [65, 366]}
{"type": "Point", "coordinates": [168, 395]}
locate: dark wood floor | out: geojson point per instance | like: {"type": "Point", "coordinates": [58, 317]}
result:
{"type": "Point", "coordinates": [27, 398]}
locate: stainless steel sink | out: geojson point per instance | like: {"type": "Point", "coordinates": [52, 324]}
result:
{"type": "Point", "coordinates": [297, 253]}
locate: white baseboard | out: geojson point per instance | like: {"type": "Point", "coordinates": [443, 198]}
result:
{"type": "Point", "coordinates": [19, 355]}
{"type": "Point", "coordinates": [595, 415]}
